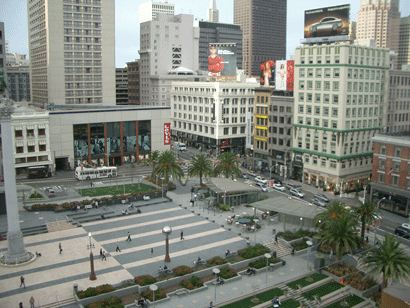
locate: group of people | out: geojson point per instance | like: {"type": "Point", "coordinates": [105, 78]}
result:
{"type": "Point", "coordinates": [142, 302]}
{"type": "Point", "coordinates": [250, 271]}
{"type": "Point", "coordinates": [276, 301]}
{"type": "Point", "coordinates": [219, 281]}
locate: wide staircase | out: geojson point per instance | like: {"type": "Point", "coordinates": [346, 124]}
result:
{"type": "Point", "coordinates": [59, 225]}
{"type": "Point", "coordinates": [280, 248]}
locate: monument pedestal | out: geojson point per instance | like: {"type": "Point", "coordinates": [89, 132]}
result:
{"type": "Point", "coordinates": [16, 252]}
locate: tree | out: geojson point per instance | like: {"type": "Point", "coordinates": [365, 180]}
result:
{"type": "Point", "coordinates": [201, 166]}
{"type": "Point", "coordinates": [390, 261]}
{"type": "Point", "coordinates": [334, 210]}
{"type": "Point", "coordinates": [228, 165]}
{"type": "Point", "coordinates": [366, 214]}
{"type": "Point", "coordinates": [167, 166]}
{"type": "Point", "coordinates": [153, 159]}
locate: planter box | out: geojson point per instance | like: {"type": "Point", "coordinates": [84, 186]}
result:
{"type": "Point", "coordinates": [365, 293]}
{"type": "Point", "coordinates": [334, 277]}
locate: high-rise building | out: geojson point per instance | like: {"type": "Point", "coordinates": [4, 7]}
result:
{"type": "Point", "coordinates": [212, 32]}
{"type": "Point", "coordinates": [18, 82]}
{"type": "Point", "coordinates": [3, 61]}
{"type": "Point", "coordinates": [263, 25]}
{"type": "Point", "coordinates": [72, 51]}
{"type": "Point", "coordinates": [379, 20]}
{"type": "Point", "coordinates": [133, 82]}
{"type": "Point", "coordinates": [213, 13]}
{"type": "Point", "coordinates": [404, 42]}
{"type": "Point", "coordinates": [149, 10]}
{"type": "Point", "coordinates": [398, 109]}
{"type": "Point", "coordinates": [340, 95]}
{"type": "Point", "coordinates": [121, 86]}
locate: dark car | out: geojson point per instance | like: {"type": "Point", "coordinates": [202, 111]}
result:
{"type": "Point", "coordinates": [321, 197]}
{"type": "Point", "coordinates": [318, 202]}
{"type": "Point", "coordinates": [403, 232]}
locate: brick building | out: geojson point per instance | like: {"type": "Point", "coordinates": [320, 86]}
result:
{"type": "Point", "coordinates": [390, 185]}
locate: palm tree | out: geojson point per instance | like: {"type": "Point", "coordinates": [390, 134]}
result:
{"type": "Point", "coordinates": [153, 159]}
{"type": "Point", "coordinates": [167, 166]}
{"type": "Point", "coordinates": [201, 166]}
{"type": "Point", "coordinates": [334, 210]}
{"type": "Point", "coordinates": [389, 261]}
{"type": "Point", "coordinates": [366, 214]}
{"type": "Point", "coordinates": [228, 165]}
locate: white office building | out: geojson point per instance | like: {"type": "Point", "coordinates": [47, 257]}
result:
{"type": "Point", "coordinates": [72, 51]}
{"type": "Point", "coordinates": [149, 10]}
{"type": "Point", "coordinates": [340, 95]}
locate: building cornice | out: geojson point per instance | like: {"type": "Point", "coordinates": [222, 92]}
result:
{"type": "Point", "coordinates": [331, 156]}
{"type": "Point", "coordinates": [333, 130]}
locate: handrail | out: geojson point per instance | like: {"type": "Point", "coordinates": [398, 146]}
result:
{"type": "Point", "coordinates": [283, 240]}
{"type": "Point", "coordinates": [273, 240]}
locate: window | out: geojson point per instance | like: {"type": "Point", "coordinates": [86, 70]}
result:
{"type": "Point", "coordinates": [397, 152]}
{"type": "Point", "coordinates": [380, 177]}
{"type": "Point", "coordinates": [395, 180]}
{"type": "Point", "coordinates": [396, 166]}
{"type": "Point", "coordinates": [382, 163]}
{"type": "Point", "coordinates": [226, 131]}
{"type": "Point", "coordinates": [383, 149]}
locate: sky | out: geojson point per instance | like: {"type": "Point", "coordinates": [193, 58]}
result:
{"type": "Point", "coordinates": [14, 15]}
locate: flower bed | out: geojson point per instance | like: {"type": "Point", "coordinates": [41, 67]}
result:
{"type": "Point", "coordinates": [253, 251]}
{"type": "Point", "coordinates": [263, 297]}
{"type": "Point", "coordinates": [261, 263]}
{"type": "Point", "coordinates": [90, 292]}
{"type": "Point", "coordinates": [360, 282]}
{"type": "Point", "coordinates": [144, 280]}
{"type": "Point", "coordinates": [306, 281]}
{"type": "Point", "coordinates": [112, 302]}
{"type": "Point", "coordinates": [227, 273]}
{"type": "Point", "coordinates": [340, 269]}
{"type": "Point", "coordinates": [299, 245]}
{"type": "Point", "coordinates": [159, 294]}
{"type": "Point", "coordinates": [182, 270]}
{"type": "Point", "coordinates": [192, 283]}
{"type": "Point", "coordinates": [352, 301]}
{"type": "Point", "coordinates": [215, 261]}
{"type": "Point", "coordinates": [290, 236]}
{"type": "Point", "coordinates": [322, 290]}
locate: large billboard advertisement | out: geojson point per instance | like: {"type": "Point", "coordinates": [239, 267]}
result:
{"type": "Point", "coordinates": [222, 59]}
{"type": "Point", "coordinates": [284, 75]}
{"type": "Point", "coordinates": [329, 21]}
{"type": "Point", "coordinates": [267, 73]}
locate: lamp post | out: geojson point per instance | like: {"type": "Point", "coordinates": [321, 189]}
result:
{"type": "Point", "coordinates": [90, 247]}
{"type": "Point", "coordinates": [380, 201]}
{"type": "Point", "coordinates": [108, 158]}
{"type": "Point", "coordinates": [309, 243]}
{"type": "Point", "coordinates": [268, 218]}
{"type": "Point", "coordinates": [167, 232]}
{"type": "Point", "coordinates": [216, 272]}
{"type": "Point", "coordinates": [267, 256]}
{"type": "Point", "coordinates": [153, 288]}
{"type": "Point", "coordinates": [124, 182]}
{"type": "Point", "coordinates": [364, 194]}
{"type": "Point", "coordinates": [162, 186]}
{"type": "Point", "coordinates": [301, 223]}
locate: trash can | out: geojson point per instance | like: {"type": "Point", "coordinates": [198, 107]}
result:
{"type": "Point", "coordinates": [75, 286]}
{"type": "Point", "coordinates": [232, 209]}
{"type": "Point", "coordinates": [273, 231]}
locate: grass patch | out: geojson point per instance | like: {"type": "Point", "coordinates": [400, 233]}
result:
{"type": "Point", "coordinates": [352, 300]}
{"type": "Point", "coordinates": [116, 190]}
{"type": "Point", "coordinates": [290, 303]}
{"type": "Point", "coordinates": [303, 282]}
{"type": "Point", "coordinates": [263, 297]}
{"type": "Point", "coordinates": [322, 290]}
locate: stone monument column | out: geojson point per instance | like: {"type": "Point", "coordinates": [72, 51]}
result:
{"type": "Point", "coordinates": [16, 251]}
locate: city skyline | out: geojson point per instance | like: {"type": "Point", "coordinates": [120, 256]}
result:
{"type": "Point", "coordinates": [14, 15]}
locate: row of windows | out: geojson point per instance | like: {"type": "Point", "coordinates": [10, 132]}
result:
{"type": "Point", "coordinates": [333, 164]}
{"type": "Point", "coordinates": [399, 93]}
{"type": "Point", "coordinates": [31, 149]}
{"type": "Point", "coordinates": [334, 98]}
{"type": "Point", "coordinates": [381, 178]}
{"type": "Point", "coordinates": [30, 132]}
{"type": "Point", "coordinates": [205, 129]}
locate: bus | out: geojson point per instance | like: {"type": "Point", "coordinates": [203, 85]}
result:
{"type": "Point", "coordinates": [82, 173]}
{"type": "Point", "coordinates": [38, 172]}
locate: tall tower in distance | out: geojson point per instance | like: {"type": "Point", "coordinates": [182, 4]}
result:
{"type": "Point", "coordinates": [72, 51]}
{"type": "Point", "coordinates": [264, 31]}
{"type": "Point", "coordinates": [149, 10]}
{"type": "Point", "coordinates": [213, 13]}
{"type": "Point", "coordinates": [404, 42]}
{"type": "Point", "coordinates": [379, 20]}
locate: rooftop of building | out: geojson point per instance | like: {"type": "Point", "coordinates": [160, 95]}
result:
{"type": "Point", "coordinates": [394, 138]}
{"type": "Point", "coordinates": [399, 291]}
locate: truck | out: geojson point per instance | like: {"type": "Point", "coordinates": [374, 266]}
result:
{"type": "Point", "coordinates": [180, 146]}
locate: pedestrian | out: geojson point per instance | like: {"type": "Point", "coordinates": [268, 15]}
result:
{"type": "Point", "coordinates": [276, 239]}
{"type": "Point", "coordinates": [118, 247]}
{"type": "Point", "coordinates": [211, 305]}
{"type": "Point", "coordinates": [32, 302]}
{"type": "Point", "coordinates": [366, 239]}
{"type": "Point", "coordinates": [22, 283]}
{"type": "Point", "coordinates": [152, 252]}
{"type": "Point", "coordinates": [21, 305]}
{"type": "Point", "coordinates": [103, 256]}
{"type": "Point", "coordinates": [331, 254]}
{"type": "Point", "coordinates": [100, 253]}
{"type": "Point", "coordinates": [368, 228]}
{"type": "Point", "coordinates": [59, 247]}
{"type": "Point", "coordinates": [182, 235]}
{"type": "Point", "coordinates": [129, 237]}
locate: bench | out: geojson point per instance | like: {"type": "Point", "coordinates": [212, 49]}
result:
{"type": "Point", "coordinates": [181, 292]}
{"type": "Point", "coordinates": [164, 271]}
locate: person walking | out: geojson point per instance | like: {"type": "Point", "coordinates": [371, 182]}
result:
{"type": "Point", "coordinates": [100, 253]}
{"type": "Point", "coordinates": [368, 228]}
{"type": "Point", "coordinates": [331, 254]}
{"type": "Point", "coordinates": [103, 256]}
{"type": "Point", "coordinates": [182, 235]}
{"type": "Point", "coordinates": [129, 237]}
{"type": "Point", "coordinates": [22, 283]}
{"type": "Point", "coordinates": [152, 252]}
{"type": "Point", "coordinates": [59, 247]}
{"type": "Point", "coordinates": [32, 302]}
{"type": "Point", "coordinates": [118, 247]}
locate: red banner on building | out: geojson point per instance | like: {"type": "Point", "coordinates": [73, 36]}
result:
{"type": "Point", "coordinates": [167, 133]}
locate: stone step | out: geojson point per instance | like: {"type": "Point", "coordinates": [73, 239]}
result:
{"type": "Point", "coordinates": [60, 303]}
{"type": "Point", "coordinates": [281, 250]}
{"type": "Point", "coordinates": [59, 225]}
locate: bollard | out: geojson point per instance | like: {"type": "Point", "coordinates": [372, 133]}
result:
{"type": "Point", "coordinates": [75, 286]}
{"type": "Point", "coordinates": [273, 231]}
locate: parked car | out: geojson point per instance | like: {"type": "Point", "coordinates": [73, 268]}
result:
{"type": "Point", "coordinates": [252, 173]}
{"type": "Point", "coordinates": [327, 23]}
{"type": "Point", "coordinates": [318, 202]}
{"type": "Point", "coordinates": [50, 192]}
{"type": "Point", "coordinates": [275, 180]}
{"type": "Point", "coordinates": [279, 187]}
{"type": "Point", "coordinates": [261, 179]}
{"type": "Point", "coordinates": [403, 232]}
{"type": "Point", "coordinates": [263, 187]}
{"type": "Point", "coordinates": [321, 197]}
{"type": "Point", "coordinates": [406, 225]}
{"type": "Point", "coordinates": [245, 176]}
{"type": "Point", "coordinates": [297, 193]}
{"type": "Point", "coordinates": [291, 186]}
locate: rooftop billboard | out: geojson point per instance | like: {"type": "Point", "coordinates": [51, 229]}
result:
{"type": "Point", "coordinates": [222, 59]}
{"type": "Point", "coordinates": [284, 75]}
{"type": "Point", "coordinates": [329, 21]}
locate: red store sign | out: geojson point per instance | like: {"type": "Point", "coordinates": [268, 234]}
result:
{"type": "Point", "coordinates": [167, 133]}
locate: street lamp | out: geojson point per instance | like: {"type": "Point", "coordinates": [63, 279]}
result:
{"type": "Point", "coordinates": [162, 186]}
{"type": "Point", "coordinates": [153, 288]}
{"type": "Point", "coordinates": [167, 232]}
{"type": "Point", "coordinates": [364, 194]}
{"type": "Point", "coordinates": [378, 203]}
{"type": "Point", "coordinates": [309, 243]}
{"type": "Point", "coordinates": [91, 246]}
{"type": "Point", "coordinates": [268, 218]}
{"type": "Point", "coordinates": [216, 272]}
{"type": "Point", "coordinates": [267, 256]}
{"type": "Point", "coordinates": [301, 223]}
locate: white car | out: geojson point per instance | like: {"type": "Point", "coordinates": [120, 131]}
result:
{"type": "Point", "coordinates": [263, 187]}
{"type": "Point", "coordinates": [297, 193]}
{"type": "Point", "coordinates": [261, 179]}
{"type": "Point", "coordinates": [252, 173]}
{"type": "Point", "coordinates": [327, 23]}
{"type": "Point", "coordinates": [279, 187]}
{"type": "Point", "coordinates": [406, 225]}
{"type": "Point", "coordinates": [146, 198]}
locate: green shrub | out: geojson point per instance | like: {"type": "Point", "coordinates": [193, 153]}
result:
{"type": "Point", "coordinates": [224, 207]}
{"type": "Point", "coordinates": [112, 302]}
{"type": "Point", "coordinates": [215, 261]}
{"type": "Point", "coordinates": [90, 292]}
{"type": "Point", "coordinates": [261, 263]}
{"type": "Point", "coordinates": [144, 280]}
{"type": "Point", "coordinates": [227, 273]}
{"type": "Point", "coordinates": [159, 294]}
{"type": "Point", "coordinates": [253, 251]}
{"type": "Point", "coordinates": [192, 283]}
{"type": "Point", "coordinates": [290, 236]}
{"type": "Point", "coordinates": [299, 245]}
{"type": "Point", "coordinates": [341, 269]}
{"type": "Point", "coordinates": [182, 270]}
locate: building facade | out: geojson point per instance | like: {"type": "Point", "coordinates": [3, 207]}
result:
{"type": "Point", "coordinates": [390, 186]}
{"type": "Point", "coordinates": [72, 52]}
{"type": "Point", "coordinates": [340, 97]}
{"type": "Point", "coordinates": [379, 20]}
{"type": "Point", "coordinates": [264, 31]}
{"type": "Point", "coordinates": [121, 86]}
{"type": "Point", "coordinates": [397, 111]}
{"type": "Point", "coordinates": [133, 82]}
{"type": "Point", "coordinates": [167, 43]}
{"type": "Point", "coordinates": [212, 32]}
{"type": "Point", "coordinates": [213, 13]}
{"type": "Point", "coordinates": [212, 115]}
{"type": "Point", "coordinates": [3, 61]}
{"type": "Point", "coordinates": [17, 59]}
{"type": "Point", "coordinates": [149, 10]}
{"type": "Point", "coordinates": [18, 82]}
{"type": "Point", "coordinates": [404, 42]}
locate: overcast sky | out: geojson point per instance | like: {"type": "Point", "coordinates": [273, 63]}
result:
{"type": "Point", "coordinates": [14, 14]}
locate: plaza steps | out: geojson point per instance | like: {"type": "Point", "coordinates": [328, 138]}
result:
{"type": "Point", "coordinates": [281, 249]}
{"type": "Point", "coordinates": [28, 231]}
{"type": "Point", "coordinates": [59, 225]}
{"type": "Point", "coordinates": [61, 303]}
